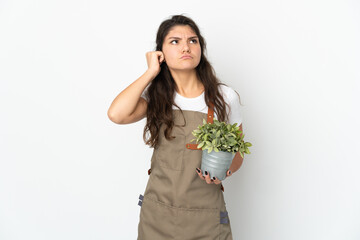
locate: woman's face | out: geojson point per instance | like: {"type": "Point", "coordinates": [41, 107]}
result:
{"type": "Point", "coordinates": [181, 48]}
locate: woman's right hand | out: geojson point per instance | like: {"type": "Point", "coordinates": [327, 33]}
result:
{"type": "Point", "coordinates": [154, 60]}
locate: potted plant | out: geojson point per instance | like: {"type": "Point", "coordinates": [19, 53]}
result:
{"type": "Point", "coordinates": [219, 143]}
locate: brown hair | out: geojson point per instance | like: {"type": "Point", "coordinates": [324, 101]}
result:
{"type": "Point", "coordinates": [160, 92]}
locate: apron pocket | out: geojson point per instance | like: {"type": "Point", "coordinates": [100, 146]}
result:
{"type": "Point", "coordinates": [199, 224]}
{"type": "Point", "coordinates": [157, 222]}
{"type": "Point", "coordinates": [160, 221]}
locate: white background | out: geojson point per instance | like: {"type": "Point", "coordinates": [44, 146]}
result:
{"type": "Point", "coordinates": [68, 172]}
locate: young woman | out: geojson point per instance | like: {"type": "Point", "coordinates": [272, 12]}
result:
{"type": "Point", "coordinates": [179, 90]}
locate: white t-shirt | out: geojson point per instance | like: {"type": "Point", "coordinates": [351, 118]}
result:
{"type": "Point", "coordinates": [198, 103]}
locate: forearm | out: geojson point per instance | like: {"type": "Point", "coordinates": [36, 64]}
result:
{"type": "Point", "coordinates": [236, 163]}
{"type": "Point", "coordinates": [125, 102]}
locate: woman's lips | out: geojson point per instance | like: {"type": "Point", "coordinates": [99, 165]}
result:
{"type": "Point", "coordinates": [186, 57]}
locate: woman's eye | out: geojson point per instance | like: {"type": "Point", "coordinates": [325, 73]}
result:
{"type": "Point", "coordinates": [194, 40]}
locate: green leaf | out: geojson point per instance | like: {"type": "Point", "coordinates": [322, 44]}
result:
{"type": "Point", "coordinates": [206, 136]}
{"type": "Point", "coordinates": [247, 144]}
{"type": "Point", "coordinates": [218, 133]}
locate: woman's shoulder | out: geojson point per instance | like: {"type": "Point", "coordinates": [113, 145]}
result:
{"type": "Point", "coordinates": [233, 99]}
{"type": "Point", "coordinates": [228, 93]}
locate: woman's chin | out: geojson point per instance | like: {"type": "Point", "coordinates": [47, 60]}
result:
{"type": "Point", "coordinates": [184, 67]}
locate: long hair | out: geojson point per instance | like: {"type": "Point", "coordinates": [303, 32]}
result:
{"type": "Point", "coordinates": [160, 92]}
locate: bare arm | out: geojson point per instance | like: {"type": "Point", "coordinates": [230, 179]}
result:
{"type": "Point", "coordinates": [129, 106]}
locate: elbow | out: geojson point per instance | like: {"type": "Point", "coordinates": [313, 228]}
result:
{"type": "Point", "coordinates": [114, 118]}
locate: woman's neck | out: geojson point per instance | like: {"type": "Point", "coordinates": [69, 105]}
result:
{"type": "Point", "coordinates": [188, 84]}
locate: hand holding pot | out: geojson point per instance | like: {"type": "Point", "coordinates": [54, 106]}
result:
{"type": "Point", "coordinates": [208, 179]}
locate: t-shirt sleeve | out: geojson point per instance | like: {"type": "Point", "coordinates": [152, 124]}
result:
{"type": "Point", "coordinates": [235, 113]}
{"type": "Point", "coordinates": [143, 94]}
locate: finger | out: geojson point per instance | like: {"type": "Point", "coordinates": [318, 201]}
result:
{"type": "Point", "coordinates": [207, 178]}
{"type": "Point", "coordinates": [162, 58]}
{"type": "Point", "coordinates": [228, 174]}
{"type": "Point", "coordinates": [159, 53]}
{"type": "Point", "coordinates": [198, 171]}
{"type": "Point", "coordinates": [216, 180]}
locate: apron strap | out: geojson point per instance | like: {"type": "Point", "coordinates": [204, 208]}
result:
{"type": "Point", "coordinates": [192, 146]}
{"type": "Point", "coordinates": [210, 116]}
{"type": "Point", "coordinates": [210, 119]}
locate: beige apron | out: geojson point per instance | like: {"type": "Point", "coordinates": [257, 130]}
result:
{"type": "Point", "coordinates": [177, 204]}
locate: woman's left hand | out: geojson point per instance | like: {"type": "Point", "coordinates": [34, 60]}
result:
{"type": "Point", "coordinates": [208, 179]}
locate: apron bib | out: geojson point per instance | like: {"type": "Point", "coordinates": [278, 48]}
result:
{"type": "Point", "coordinates": [177, 204]}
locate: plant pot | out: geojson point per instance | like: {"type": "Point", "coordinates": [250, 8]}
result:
{"type": "Point", "coordinates": [216, 163]}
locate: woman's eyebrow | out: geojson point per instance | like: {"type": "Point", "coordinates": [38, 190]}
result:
{"type": "Point", "coordinates": [180, 38]}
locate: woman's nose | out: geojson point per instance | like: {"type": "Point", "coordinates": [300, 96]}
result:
{"type": "Point", "coordinates": [186, 48]}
